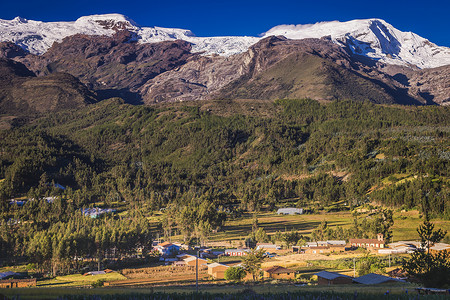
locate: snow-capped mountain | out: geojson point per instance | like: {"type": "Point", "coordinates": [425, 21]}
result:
{"type": "Point", "coordinates": [373, 38]}
{"type": "Point", "coordinates": [37, 37]}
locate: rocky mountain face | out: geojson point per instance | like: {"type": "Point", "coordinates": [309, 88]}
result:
{"type": "Point", "coordinates": [273, 68]}
{"type": "Point", "coordinates": [360, 60]}
{"type": "Point", "coordinates": [22, 92]}
{"type": "Point", "coordinates": [432, 85]}
{"type": "Point", "coordinates": [110, 65]}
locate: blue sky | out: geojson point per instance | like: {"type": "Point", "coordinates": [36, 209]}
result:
{"type": "Point", "coordinates": [429, 19]}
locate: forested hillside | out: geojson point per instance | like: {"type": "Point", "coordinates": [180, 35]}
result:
{"type": "Point", "coordinates": [197, 157]}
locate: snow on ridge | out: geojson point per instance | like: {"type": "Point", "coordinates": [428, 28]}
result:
{"type": "Point", "coordinates": [373, 38]}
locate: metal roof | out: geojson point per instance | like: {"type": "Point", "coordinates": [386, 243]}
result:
{"type": "Point", "coordinates": [278, 270]}
{"type": "Point", "coordinates": [330, 275]}
{"type": "Point", "coordinates": [96, 272]}
{"type": "Point", "coordinates": [373, 278]}
{"type": "Point", "coordinates": [290, 210]}
{"type": "Point", "coordinates": [8, 274]}
{"type": "Point", "coordinates": [213, 265]}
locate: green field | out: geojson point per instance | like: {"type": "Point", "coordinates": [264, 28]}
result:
{"type": "Point", "coordinates": [79, 280]}
{"type": "Point", "coordinates": [404, 228]}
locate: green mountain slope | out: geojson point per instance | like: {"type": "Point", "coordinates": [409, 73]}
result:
{"type": "Point", "coordinates": [289, 149]}
{"type": "Point", "coordinates": [304, 75]}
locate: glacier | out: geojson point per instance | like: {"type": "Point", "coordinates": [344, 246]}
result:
{"type": "Point", "coordinates": [373, 38]}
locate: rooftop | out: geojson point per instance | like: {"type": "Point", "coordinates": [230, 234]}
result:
{"type": "Point", "coordinates": [213, 265]}
{"type": "Point", "coordinates": [373, 278]}
{"type": "Point", "coordinates": [278, 270]}
{"type": "Point", "coordinates": [330, 275]}
{"type": "Point", "coordinates": [165, 244]}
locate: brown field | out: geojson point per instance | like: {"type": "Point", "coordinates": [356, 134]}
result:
{"type": "Point", "coordinates": [160, 275]}
{"type": "Point", "coordinates": [178, 279]}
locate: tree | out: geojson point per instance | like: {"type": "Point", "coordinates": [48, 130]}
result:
{"type": "Point", "coordinates": [291, 238]}
{"type": "Point", "coordinates": [431, 269]}
{"type": "Point", "coordinates": [261, 236]}
{"type": "Point", "coordinates": [235, 273]}
{"type": "Point", "coordinates": [369, 264]}
{"type": "Point", "coordinates": [429, 236]}
{"type": "Point", "coordinates": [253, 261]}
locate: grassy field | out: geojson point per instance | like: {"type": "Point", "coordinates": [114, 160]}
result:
{"type": "Point", "coordinates": [404, 228]}
{"type": "Point", "coordinates": [271, 222]}
{"type": "Point", "coordinates": [79, 280]}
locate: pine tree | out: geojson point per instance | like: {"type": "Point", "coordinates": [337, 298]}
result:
{"type": "Point", "coordinates": [431, 269]}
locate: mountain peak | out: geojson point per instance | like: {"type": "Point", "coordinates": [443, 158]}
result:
{"type": "Point", "coordinates": [369, 38]}
{"type": "Point", "coordinates": [19, 19]}
{"type": "Point", "coordinates": [107, 21]}
{"type": "Point", "coordinates": [373, 38]}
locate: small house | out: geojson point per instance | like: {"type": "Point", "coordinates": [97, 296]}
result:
{"type": "Point", "coordinates": [236, 252]}
{"type": "Point", "coordinates": [267, 246]}
{"type": "Point", "coordinates": [182, 256]}
{"type": "Point", "coordinates": [290, 211]}
{"type": "Point", "coordinates": [368, 243]}
{"type": "Point", "coordinates": [329, 278]}
{"type": "Point", "coordinates": [94, 273]}
{"type": "Point", "coordinates": [317, 250]}
{"type": "Point", "coordinates": [179, 263]}
{"type": "Point", "coordinates": [17, 283]}
{"type": "Point", "coordinates": [192, 261]}
{"type": "Point", "coordinates": [167, 248]}
{"type": "Point", "coordinates": [373, 278]}
{"type": "Point", "coordinates": [217, 270]}
{"type": "Point", "coordinates": [440, 247]}
{"type": "Point", "coordinates": [277, 272]}
{"type": "Point", "coordinates": [8, 274]}
{"type": "Point", "coordinates": [324, 247]}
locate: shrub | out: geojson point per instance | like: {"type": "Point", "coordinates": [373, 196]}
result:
{"type": "Point", "coordinates": [235, 273]}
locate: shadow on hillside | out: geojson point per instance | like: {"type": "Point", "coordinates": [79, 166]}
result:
{"type": "Point", "coordinates": [128, 96]}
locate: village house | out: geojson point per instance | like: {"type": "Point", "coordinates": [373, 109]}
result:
{"type": "Point", "coordinates": [277, 272]}
{"type": "Point", "coordinates": [328, 278]}
{"type": "Point", "coordinates": [267, 246]}
{"type": "Point", "coordinates": [369, 243]}
{"type": "Point", "coordinates": [167, 249]}
{"type": "Point", "coordinates": [236, 252]}
{"type": "Point", "coordinates": [400, 247]}
{"type": "Point", "coordinates": [9, 274]}
{"type": "Point", "coordinates": [179, 263]}
{"type": "Point", "coordinates": [330, 246]}
{"type": "Point", "coordinates": [217, 270]}
{"type": "Point", "coordinates": [182, 256]}
{"type": "Point", "coordinates": [311, 244]}
{"type": "Point", "coordinates": [316, 250]}
{"type": "Point", "coordinates": [96, 212]}
{"type": "Point", "coordinates": [17, 283]}
{"type": "Point", "coordinates": [192, 261]}
{"type": "Point", "coordinates": [290, 211]}
{"type": "Point", "coordinates": [373, 278]}
{"type": "Point", "coordinates": [440, 247]}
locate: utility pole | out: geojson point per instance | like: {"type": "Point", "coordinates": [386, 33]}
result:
{"type": "Point", "coordinates": [196, 271]}
{"type": "Point", "coordinates": [389, 260]}
{"type": "Point", "coordinates": [354, 268]}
